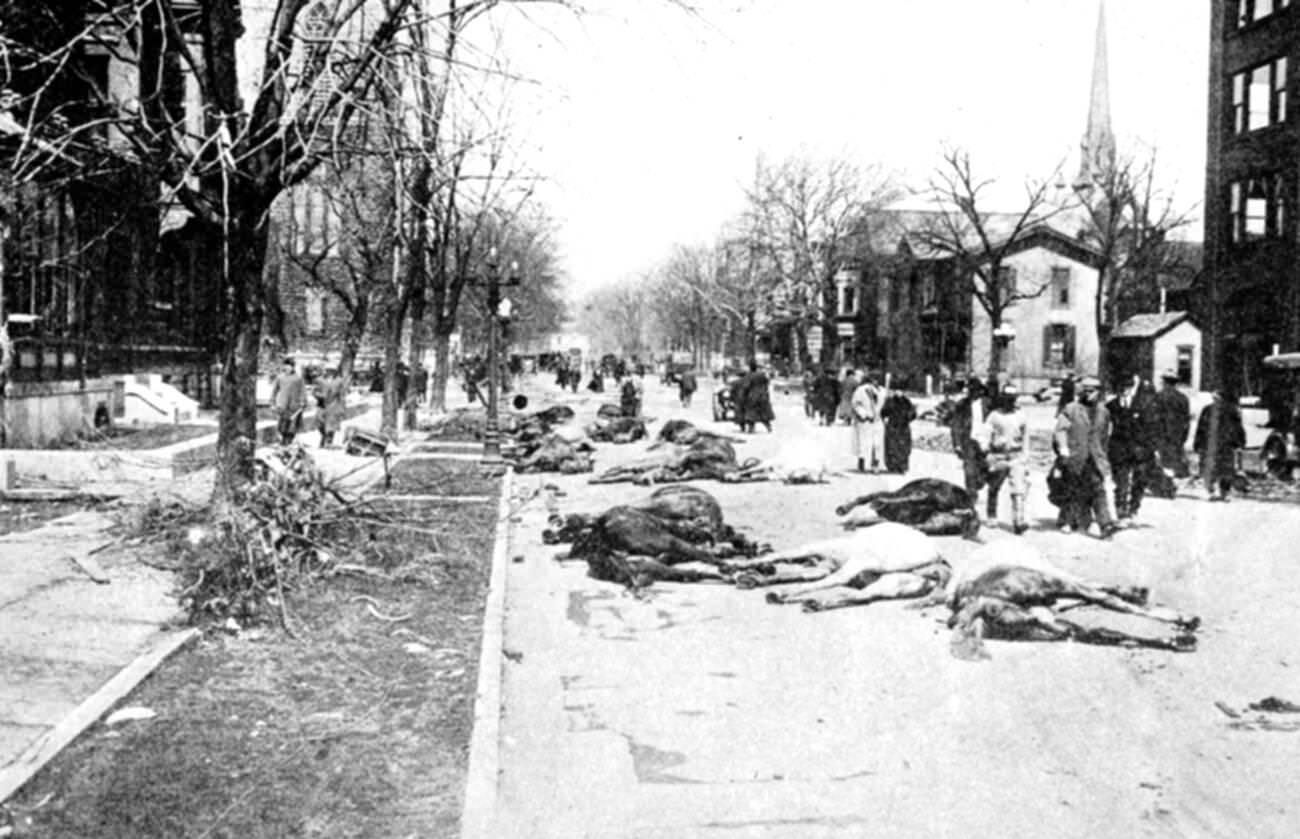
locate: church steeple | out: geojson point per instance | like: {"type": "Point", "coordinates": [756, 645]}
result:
{"type": "Point", "coordinates": [1097, 151]}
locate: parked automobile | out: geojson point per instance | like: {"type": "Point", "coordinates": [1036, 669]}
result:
{"type": "Point", "coordinates": [1281, 451]}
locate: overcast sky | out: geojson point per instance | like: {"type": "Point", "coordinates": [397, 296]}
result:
{"type": "Point", "coordinates": [647, 121]}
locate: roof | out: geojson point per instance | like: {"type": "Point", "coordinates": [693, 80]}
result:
{"type": "Point", "coordinates": [1149, 325]}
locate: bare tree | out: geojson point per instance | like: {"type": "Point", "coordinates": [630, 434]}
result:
{"type": "Point", "coordinates": [1129, 221]}
{"type": "Point", "coordinates": [979, 240]}
{"type": "Point", "coordinates": [805, 220]}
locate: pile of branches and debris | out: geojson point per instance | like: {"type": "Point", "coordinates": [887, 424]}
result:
{"type": "Point", "coordinates": [287, 527]}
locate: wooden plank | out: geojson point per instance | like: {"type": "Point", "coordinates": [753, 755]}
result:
{"type": "Point", "coordinates": [44, 749]}
{"type": "Point", "coordinates": [88, 564]}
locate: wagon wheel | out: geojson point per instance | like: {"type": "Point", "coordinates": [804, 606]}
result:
{"type": "Point", "coordinates": [1275, 459]}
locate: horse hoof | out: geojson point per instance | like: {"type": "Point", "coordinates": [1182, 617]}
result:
{"type": "Point", "coordinates": [842, 510]}
{"type": "Point", "coordinates": [773, 597]}
{"type": "Point", "coordinates": [812, 606]}
{"type": "Point", "coordinates": [1191, 624]}
{"type": "Point", "coordinates": [745, 581]}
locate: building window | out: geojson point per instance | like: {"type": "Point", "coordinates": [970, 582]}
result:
{"type": "Point", "coordinates": [1259, 97]}
{"type": "Point", "coordinates": [929, 296]}
{"type": "Point", "coordinates": [1060, 288]}
{"type": "Point", "coordinates": [1259, 208]}
{"type": "Point", "coordinates": [1249, 11]}
{"type": "Point", "coordinates": [314, 306]}
{"type": "Point", "coordinates": [1186, 355]}
{"type": "Point", "coordinates": [1058, 345]}
{"type": "Point", "coordinates": [848, 300]}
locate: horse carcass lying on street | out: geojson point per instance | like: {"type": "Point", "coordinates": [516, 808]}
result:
{"type": "Point", "coordinates": [651, 539]}
{"type": "Point", "coordinates": [886, 562]}
{"type": "Point", "coordinates": [1007, 589]}
{"type": "Point", "coordinates": [556, 452]}
{"type": "Point", "coordinates": [930, 505]}
{"type": "Point", "coordinates": [617, 430]}
{"type": "Point", "coordinates": [706, 457]}
{"type": "Point", "coordinates": [800, 462]}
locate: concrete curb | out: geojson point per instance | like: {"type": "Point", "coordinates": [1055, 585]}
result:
{"type": "Point", "coordinates": [20, 771]}
{"type": "Point", "coordinates": [478, 814]}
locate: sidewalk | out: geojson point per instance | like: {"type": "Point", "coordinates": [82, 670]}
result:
{"type": "Point", "coordinates": [72, 646]}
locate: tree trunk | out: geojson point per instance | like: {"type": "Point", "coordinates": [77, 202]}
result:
{"type": "Point", "coordinates": [415, 356]}
{"type": "Point", "coordinates": [441, 370]}
{"type": "Point", "coordinates": [245, 295]}
{"type": "Point", "coordinates": [353, 334]}
{"type": "Point", "coordinates": [392, 357]}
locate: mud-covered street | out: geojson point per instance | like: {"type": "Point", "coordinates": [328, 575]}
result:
{"type": "Point", "coordinates": [704, 711]}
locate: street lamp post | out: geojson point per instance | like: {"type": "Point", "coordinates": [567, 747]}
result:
{"type": "Point", "coordinates": [491, 430]}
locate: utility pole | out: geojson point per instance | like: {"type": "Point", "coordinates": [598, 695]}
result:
{"type": "Point", "coordinates": [491, 429]}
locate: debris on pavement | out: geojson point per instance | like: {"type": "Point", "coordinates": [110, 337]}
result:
{"type": "Point", "coordinates": [130, 714]}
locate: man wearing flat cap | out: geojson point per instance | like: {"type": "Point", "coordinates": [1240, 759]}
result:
{"type": "Point", "coordinates": [1173, 421]}
{"type": "Point", "coordinates": [1081, 442]}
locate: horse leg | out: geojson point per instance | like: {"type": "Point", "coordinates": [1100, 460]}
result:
{"type": "Point", "coordinates": [1106, 598]}
{"type": "Point", "coordinates": [900, 586]}
{"type": "Point", "coordinates": [779, 575]}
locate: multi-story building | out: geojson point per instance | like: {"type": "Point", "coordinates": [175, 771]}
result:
{"type": "Point", "coordinates": [1250, 290]}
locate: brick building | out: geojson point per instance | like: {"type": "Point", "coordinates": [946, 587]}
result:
{"type": "Point", "coordinates": [1249, 297]}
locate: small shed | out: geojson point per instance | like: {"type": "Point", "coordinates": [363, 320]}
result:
{"type": "Point", "coordinates": [1149, 344]}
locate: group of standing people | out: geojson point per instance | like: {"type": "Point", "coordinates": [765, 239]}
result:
{"type": "Point", "coordinates": [881, 418]}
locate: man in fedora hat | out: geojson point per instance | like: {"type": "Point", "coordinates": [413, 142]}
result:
{"type": "Point", "coordinates": [1082, 441]}
{"type": "Point", "coordinates": [1173, 420]}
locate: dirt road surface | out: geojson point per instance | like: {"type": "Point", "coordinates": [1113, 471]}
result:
{"type": "Point", "coordinates": [703, 711]}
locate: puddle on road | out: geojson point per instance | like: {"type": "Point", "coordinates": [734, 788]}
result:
{"type": "Point", "coordinates": [579, 610]}
{"type": "Point", "coordinates": [584, 605]}
{"type": "Point", "coordinates": [649, 764]}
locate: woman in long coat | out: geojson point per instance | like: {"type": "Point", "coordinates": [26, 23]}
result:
{"type": "Point", "coordinates": [757, 398]}
{"type": "Point", "coordinates": [826, 397]}
{"type": "Point", "coordinates": [898, 413]}
{"type": "Point", "coordinates": [848, 386]}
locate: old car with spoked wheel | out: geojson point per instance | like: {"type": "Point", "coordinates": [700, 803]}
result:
{"type": "Point", "coordinates": [1281, 451]}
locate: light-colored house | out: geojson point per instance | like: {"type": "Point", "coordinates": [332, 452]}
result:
{"type": "Point", "coordinates": [1149, 344]}
{"type": "Point", "coordinates": [1053, 330]}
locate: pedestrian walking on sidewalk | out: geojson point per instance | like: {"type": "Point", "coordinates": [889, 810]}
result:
{"type": "Point", "coordinates": [329, 395]}
{"type": "Point", "coordinates": [1219, 434]}
{"type": "Point", "coordinates": [288, 398]}
{"type": "Point", "coordinates": [1005, 437]}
